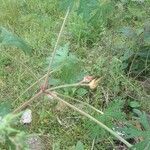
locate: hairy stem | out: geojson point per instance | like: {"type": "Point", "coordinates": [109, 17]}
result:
{"type": "Point", "coordinates": [66, 86]}
{"type": "Point", "coordinates": [94, 120]}
{"type": "Point", "coordinates": [55, 48]}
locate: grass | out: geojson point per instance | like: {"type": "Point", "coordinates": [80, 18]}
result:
{"type": "Point", "coordinates": [38, 23]}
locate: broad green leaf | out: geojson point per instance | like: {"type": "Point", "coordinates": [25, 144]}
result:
{"type": "Point", "coordinates": [128, 32]}
{"type": "Point", "coordinates": [67, 3]}
{"type": "Point", "coordinates": [144, 145]}
{"type": "Point", "coordinates": [132, 132]}
{"type": "Point", "coordinates": [142, 119]}
{"type": "Point", "coordinates": [70, 71]}
{"type": "Point", "coordinates": [10, 39]}
{"type": "Point", "coordinates": [79, 146]}
{"type": "Point", "coordinates": [56, 145]}
{"type": "Point", "coordinates": [112, 112]}
{"type": "Point", "coordinates": [63, 57]}
{"type": "Point", "coordinates": [86, 8]}
{"type": "Point", "coordinates": [134, 104]}
{"type": "Point", "coordinates": [81, 92]}
{"type": "Point", "coordinates": [54, 82]}
{"type": "Point", "coordinates": [5, 108]}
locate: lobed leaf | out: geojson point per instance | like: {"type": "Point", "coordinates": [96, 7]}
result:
{"type": "Point", "coordinates": [70, 70]}
{"type": "Point", "coordinates": [10, 39]}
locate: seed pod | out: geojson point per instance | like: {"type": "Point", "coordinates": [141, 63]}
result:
{"type": "Point", "coordinates": [94, 83]}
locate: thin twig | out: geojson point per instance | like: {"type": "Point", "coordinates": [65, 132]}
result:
{"type": "Point", "coordinates": [93, 119]}
{"type": "Point", "coordinates": [55, 48]}
{"type": "Point", "coordinates": [27, 102]}
{"type": "Point", "coordinates": [84, 103]}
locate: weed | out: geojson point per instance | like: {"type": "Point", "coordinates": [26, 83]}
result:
{"type": "Point", "coordinates": [107, 40]}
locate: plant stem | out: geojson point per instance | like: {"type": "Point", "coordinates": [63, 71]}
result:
{"type": "Point", "coordinates": [93, 119]}
{"type": "Point", "coordinates": [19, 97]}
{"type": "Point", "coordinates": [55, 48]}
{"type": "Point", "coordinates": [27, 102]}
{"type": "Point", "coordinates": [66, 86]}
{"type": "Point", "coordinates": [84, 103]}
{"type": "Point", "coordinates": [93, 144]}
{"type": "Point", "coordinates": [30, 87]}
